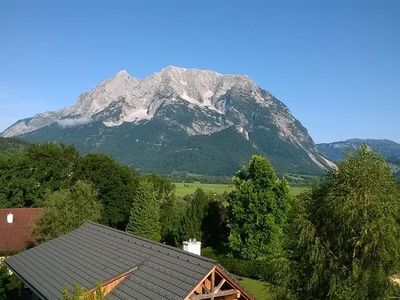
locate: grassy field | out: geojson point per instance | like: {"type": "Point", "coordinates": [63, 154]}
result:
{"type": "Point", "coordinates": [255, 288]}
{"type": "Point", "coordinates": [182, 189]}
{"type": "Point", "coordinates": [295, 190]}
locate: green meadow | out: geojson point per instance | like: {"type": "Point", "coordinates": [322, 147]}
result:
{"type": "Point", "coordinates": [256, 288]}
{"type": "Point", "coordinates": [182, 189]}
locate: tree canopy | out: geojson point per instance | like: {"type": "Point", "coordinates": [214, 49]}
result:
{"type": "Point", "coordinates": [145, 212]}
{"type": "Point", "coordinates": [257, 210]}
{"type": "Point", "coordinates": [116, 186]}
{"type": "Point", "coordinates": [67, 209]}
{"type": "Point", "coordinates": [80, 293]}
{"type": "Point", "coordinates": [10, 286]}
{"type": "Point", "coordinates": [192, 218]}
{"type": "Point", "coordinates": [347, 233]}
{"type": "Point", "coordinates": [26, 176]}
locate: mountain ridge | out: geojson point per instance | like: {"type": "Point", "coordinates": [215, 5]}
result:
{"type": "Point", "coordinates": [389, 149]}
{"type": "Point", "coordinates": [176, 102]}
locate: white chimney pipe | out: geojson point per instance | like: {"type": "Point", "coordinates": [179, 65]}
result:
{"type": "Point", "coordinates": [192, 246]}
{"type": "Point", "coordinates": [10, 218]}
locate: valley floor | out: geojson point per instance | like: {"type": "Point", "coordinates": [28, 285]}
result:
{"type": "Point", "coordinates": [185, 188]}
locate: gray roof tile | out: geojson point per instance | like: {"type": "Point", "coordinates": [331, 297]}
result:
{"type": "Point", "coordinates": [95, 252]}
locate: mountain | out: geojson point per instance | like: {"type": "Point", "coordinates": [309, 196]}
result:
{"type": "Point", "coordinates": [180, 120]}
{"type": "Point", "coordinates": [388, 149]}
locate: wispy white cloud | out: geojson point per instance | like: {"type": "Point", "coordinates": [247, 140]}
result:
{"type": "Point", "coordinates": [73, 122]}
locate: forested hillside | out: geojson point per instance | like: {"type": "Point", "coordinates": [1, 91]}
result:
{"type": "Point", "coordinates": [11, 145]}
{"type": "Point", "coordinates": [388, 149]}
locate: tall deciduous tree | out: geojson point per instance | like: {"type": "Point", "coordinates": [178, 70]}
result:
{"type": "Point", "coordinates": [66, 210]}
{"type": "Point", "coordinates": [116, 185]}
{"type": "Point", "coordinates": [347, 233]}
{"type": "Point", "coordinates": [257, 210]}
{"type": "Point", "coordinates": [26, 176]}
{"type": "Point", "coordinates": [145, 212]}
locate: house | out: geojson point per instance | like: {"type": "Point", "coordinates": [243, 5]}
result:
{"type": "Point", "coordinates": [127, 266]}
{"type": "Point", "coordinates": [15, 229]}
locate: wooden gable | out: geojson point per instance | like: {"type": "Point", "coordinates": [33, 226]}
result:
{"type": "Point", "coordinates": [218, 285]}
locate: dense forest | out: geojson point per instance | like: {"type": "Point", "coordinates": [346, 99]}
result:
{"type": "Point", "coordinates": [338, 240]}
{"type": "Point", "coordinates": [11, 145]}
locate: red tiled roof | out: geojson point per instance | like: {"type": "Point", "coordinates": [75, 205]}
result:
{"type": "Point", "coordinates": [17, 236]}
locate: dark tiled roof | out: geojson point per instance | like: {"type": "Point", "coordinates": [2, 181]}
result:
{"type": "Point", "coordinates": [17, 236]}
{"type": "Point", "coordinates": [94, 253]}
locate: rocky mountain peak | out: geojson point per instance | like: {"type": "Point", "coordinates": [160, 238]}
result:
{"type": "Point", "coordinates": [188, 103]}
{"type": "Point", "coordinates": [122, 73]}
{"type": "Point", "coordinates": [123, 98]}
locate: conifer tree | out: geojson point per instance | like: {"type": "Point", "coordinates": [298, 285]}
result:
{"type": "Point", "coordinates": [191, 223]}
{"type": "Point", "coordinates": [145, 213]}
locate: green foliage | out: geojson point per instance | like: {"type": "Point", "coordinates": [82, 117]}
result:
{"type": "Point", "coordinates": [67, 209]}
{"type": "Point", "coordinates": [25, 177]}
{"type": "Point", "coordinates": [192, 219]}
{"type": "Point", "coordinates": [203, 219]}
{"type": "Point", "coordinates": [80, 293]}
{"type": "Point", "coordinates": [214, 225]}
{"type": "Point", "coordinates": [297, 182]}
{"type": "Point", "coordinates": [257, 210]}
{"type": "Point", "coordinates": [272, 272]}
{"type": "Point", "coordinates": [171, 208]}
{"type": "Point", "coordinates": [18, 188]}
{"type": "Point", "coordinates": [145, 212]}
{"type": "Point", "coordinates": [388, 149]}
{"type": "Point", "coordinates": [257, 289]}
{"type": "Point", "coordinates": [10, 286]}
{"type": "Point", "coordinates": [154, 147]}
{"type": "Point", "coordinates": [185, 188]}
{"type": "Point", "coordinates": [346, 233]}
{"type": "Point", "coordinates": [163, 186]}
{"type": "Point", "coordinates": [11, 145]}
{"type": "Point", "coordinates": [192, 177]}
{"type": "Point", "coordinates": [52, 164]}
{"type": "Point", "coordinates": [171, 212]}
{"type": "Point", "coordinates": [116, 186]}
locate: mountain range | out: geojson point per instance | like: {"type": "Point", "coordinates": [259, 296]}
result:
{"type": "Point", "coordinates": [180, 120]}
{"type": "Point", "coordinates": [388, 149]}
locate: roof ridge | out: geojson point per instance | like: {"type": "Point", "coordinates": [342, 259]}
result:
{"type": "Point", "coordinates": [21, 208]}
{"type": "Point", "coordinates": [152, 242]}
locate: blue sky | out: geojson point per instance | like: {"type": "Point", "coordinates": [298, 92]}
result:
{"type": "Point", "coordinates": [335, 64]}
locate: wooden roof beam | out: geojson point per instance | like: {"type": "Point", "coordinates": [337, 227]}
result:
{"type": "Point", "coordinates": [216, 290]}
{"type": "Point", "coordinates": [218, 294]}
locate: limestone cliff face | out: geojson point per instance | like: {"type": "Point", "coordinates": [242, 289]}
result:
{"type": "Point", "coordinates": [178, 104]}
